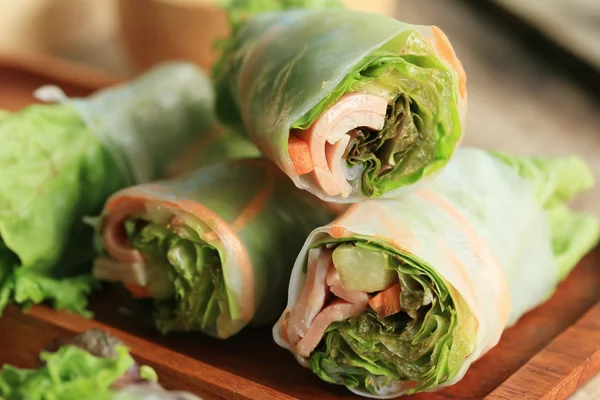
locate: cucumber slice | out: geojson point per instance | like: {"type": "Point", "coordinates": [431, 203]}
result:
{"type": "Point", "coordinates": [363, 269]}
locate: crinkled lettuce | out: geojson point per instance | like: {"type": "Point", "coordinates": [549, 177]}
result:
{"type": "Point", "coordinates": [195, 292]}
{"type": "Point", "coordinates": [60, 162]}
{"type": "Point", "coordinates": [70, 373]}
{"type": "Point", "coordinates": [282, 70]}
{"type": "Point", "coordinates": [218, 245]}
{"type": "Point", "coordinates": [459, 246]}
{"type": "Point", "coordinates": [422, 344]}
{"type": "Point", "coordinates": [556, 181]}
{"type": "Point", "coordinates": [54, 171]}
{"type": "Point", "coordinates": [92, 365]}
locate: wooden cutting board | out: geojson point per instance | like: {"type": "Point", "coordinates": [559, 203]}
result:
{"type": "Point", "coordinates": [548, 354]}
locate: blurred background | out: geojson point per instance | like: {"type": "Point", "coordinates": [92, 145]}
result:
{"type": "Point", "coordinates": [124, 36]}
{"type": "Point", "coordinates": [532, 65]}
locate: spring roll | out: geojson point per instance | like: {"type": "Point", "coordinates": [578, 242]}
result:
{"type": "Point", "coordinates": [60, 162]}
{"type": "Point", "coordinates": [402, 296]}
{"type": "Point", "coordinates": [349, 105]}
{"type": "Point", "coordinates": [211, 251]}
{"type": "Point", "coordinates": [91, 365]}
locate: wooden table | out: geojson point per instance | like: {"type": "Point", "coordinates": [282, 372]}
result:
{"type": "Point", "coordinates": [517, 103]}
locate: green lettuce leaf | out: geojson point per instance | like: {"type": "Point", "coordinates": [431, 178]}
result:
{"type": "Point", "coordinates": [420, 346]}
{"type": "Point", "coordinates": [291, 66]}
{"type": "Point", "coordinates": [92, 365]}
{"type": "Point", "coordinates": [67, 293]}
{"type": "Point", "coordinates": [68, 374]}
{"type": "Point", "coordinates": [430, 342]}
{"type": "Point", "coordinates": [383, 153]}
{"type": "Point", "coordinates": [198, 293]}
{"type": "Point", "coordinates": [556, 181]}
{"type": "Point", "coordinates": [219, 244]}
{"type": "Point", "coordinates": [46, 186]}
{"type": "Point", "coordinates": [240, 11]}
{"type": "Point", "coordinates": [60, 162]}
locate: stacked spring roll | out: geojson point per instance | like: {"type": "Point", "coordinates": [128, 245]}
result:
{"type": "Point", "coordinates": [60, 162]}
{"type": "Point", "coordinates": [400, 296]}
{"type": "Point", "coordinates": [211, 251]}
{"type": "Point", "coordinates": [349, 105]}
{"type": "Point", "coordinates": [91, 365]}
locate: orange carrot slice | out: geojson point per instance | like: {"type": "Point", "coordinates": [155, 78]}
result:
{"type": "Point", "coordinates": [137, 291]}
{"type": "Point", "coordinates": [387, 302]}
{"type": "Point", "coordinates": [300, 155]}
{"type": "Point", "coordinates": [284, 330]}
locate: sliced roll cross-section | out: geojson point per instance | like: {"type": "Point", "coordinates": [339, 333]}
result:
{"type": "Point", "coordinates": [212, 251]}
{"type": "Point", "coordinates": [402, 295]}
{"type": "Point", "coordinates": [350, 105]}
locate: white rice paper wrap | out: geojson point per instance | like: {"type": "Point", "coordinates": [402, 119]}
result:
{"type": "Point", "coordinates": [479, 226]}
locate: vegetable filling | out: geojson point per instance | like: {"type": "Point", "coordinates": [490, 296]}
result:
{"type": "Point", "coordinates": [383, 129]}
{"type": "Point", "coordinates": [164, 260]}
{"type": "Point", "coordinates": [402, 334]}
{"type": "Point", "coordinates": [196, 292]}
{"type": "Point", "coordinates": [400, 148]}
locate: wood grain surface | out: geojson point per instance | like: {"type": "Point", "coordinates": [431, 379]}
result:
{"type": "Point", "coordinates": [21, 74]}
{"type": "Point", "coordinates": [251, 366]}
{"type": "Point", "coordinates": [527, 360]}
{"type": "Point", "coordinates": [561, 367]}
{"type": "Point", "coordinates": [253, 355]}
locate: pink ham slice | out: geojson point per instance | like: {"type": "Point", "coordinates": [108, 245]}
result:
{"type": "Point", "coordinates": [309, 318]}
{"type": "Point", "coordinates": [338, 310]}
{"type": "Point", "coordinates": [114, 236]}
{"type": "Point", "coordinates": [327, 137]}
{"type": "Point", "coordinates": [314, 293]}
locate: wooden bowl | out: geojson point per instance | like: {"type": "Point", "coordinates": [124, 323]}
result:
{"type": "Point", "coordinates": [158, 30]}
{"type": "Point", "coordinates": [153, 31]}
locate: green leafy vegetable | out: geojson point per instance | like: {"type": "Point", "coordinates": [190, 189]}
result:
{"type": "Point", "coordinates": [193, 268]}
{"type": "Point", "coordinates": [218, 244]}
{"type": "Point", "coordinates": [47, 185]}
{"type": "Point", "coordinates": [60, 162]}
{"type": "Point", "coordinates": [92, 365]}
{"type": "Point", "coordinates": [556, 181]}
{"type": "Point", "coordinates": [418, 346]}
{"type": "Point", "coordinates": [282, 70]}
{"type": "Point", "coordinates": [70, 373]}
{"type": "Point", "coordinates": [472, 251]}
